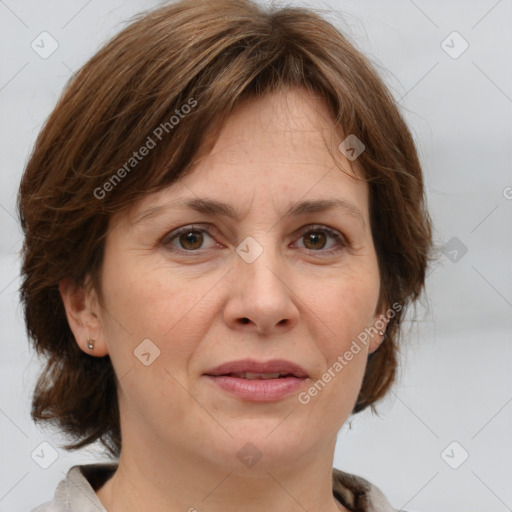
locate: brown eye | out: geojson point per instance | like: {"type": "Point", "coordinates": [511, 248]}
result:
{"type": "Point", "coordinates": [191, 240]}
{"type": "Point", "coordinates": [323, 241]}
{"type": "Point", "coordinates": [315, 240]}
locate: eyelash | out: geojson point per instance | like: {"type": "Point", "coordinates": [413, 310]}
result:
{"type": "Point", "coordinates": [341, 241]}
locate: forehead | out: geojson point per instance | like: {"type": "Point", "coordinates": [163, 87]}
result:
{"type": "Point", "coordinates": [281, 148]}
{"type": "Point", "coordinates": [292, 126]}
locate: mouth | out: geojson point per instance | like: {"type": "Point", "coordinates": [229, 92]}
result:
{"type": "Point", "coordinates": [256, 381]}
{"type": "Point", "coordinates": [252, 369]}
{"type": "Point", "coordinates": [259, 376]}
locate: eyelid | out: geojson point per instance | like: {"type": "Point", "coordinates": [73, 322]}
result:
{"type": "Point", "coordinates": [343, 241]}
{"type": "Point", "coordinates": [166, 240]}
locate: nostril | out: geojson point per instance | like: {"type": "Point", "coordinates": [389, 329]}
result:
{"type": "Point", "coordinates": [245, 320]}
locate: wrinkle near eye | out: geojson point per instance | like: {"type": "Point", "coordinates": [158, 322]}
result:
{"type": "Point", "coordinates": [339, 241]}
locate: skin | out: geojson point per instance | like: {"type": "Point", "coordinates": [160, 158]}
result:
{"type": "Point", "coordinates": [181, 434]}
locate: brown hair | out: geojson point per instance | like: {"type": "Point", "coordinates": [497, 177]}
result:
{"type": "Point", "coordinates": [210, 56]}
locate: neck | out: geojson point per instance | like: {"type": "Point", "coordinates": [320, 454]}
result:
{"type": "Point", "coordinates": [174, 480]}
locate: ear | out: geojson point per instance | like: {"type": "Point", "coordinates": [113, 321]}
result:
{"type": "Point", "coordinates": [380, 324]}
{"type": "Point", "coordinates": [83, 312]}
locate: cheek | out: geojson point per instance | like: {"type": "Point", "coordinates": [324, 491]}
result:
{"type": "Point", "coordinates": [350, 305]}
{"type": "Point", "coordinates": [156, 303]}
{"type": "Point", "coordinates": [152, 303]}
{"type": "Point", "coordinates": [346, 306]}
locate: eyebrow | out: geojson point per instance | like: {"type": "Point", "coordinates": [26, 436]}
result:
{"type": "Point", "coordinates": [217, 208]}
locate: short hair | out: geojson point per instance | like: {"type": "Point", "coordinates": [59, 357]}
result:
{"type": "Point", "coordinates": [209, 57]}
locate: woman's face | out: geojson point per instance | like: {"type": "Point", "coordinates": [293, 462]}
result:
{"type": "Point", "coordinates": [265, 285]}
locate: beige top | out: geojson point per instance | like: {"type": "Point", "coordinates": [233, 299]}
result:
{"type": "Point", "coordinates": [76, 493]}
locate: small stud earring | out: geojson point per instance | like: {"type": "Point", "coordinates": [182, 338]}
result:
{"type": "Point", "coordinates": [381, 333]}
{"type": "Point", "coordinates": [90, 344]}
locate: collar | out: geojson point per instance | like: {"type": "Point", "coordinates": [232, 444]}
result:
{"type": "Point", "coordinates": [76, 493]}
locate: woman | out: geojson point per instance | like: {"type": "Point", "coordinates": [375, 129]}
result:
{"type": "Point", "coordinates": [224, 224]}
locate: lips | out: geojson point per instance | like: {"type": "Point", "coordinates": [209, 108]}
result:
{"type": "Point", "coordinates": [258, 381]}
{"type": "Point", "coordinates": [254, 376]}
{"type": "Point", "coordinates": [252, 369]}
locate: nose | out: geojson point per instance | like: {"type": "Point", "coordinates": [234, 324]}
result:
{"type": "Point", "coordinates": [262, 295]}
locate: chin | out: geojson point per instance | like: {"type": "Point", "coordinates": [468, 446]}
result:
{"type": "Point", "coordinates": [266, 444]}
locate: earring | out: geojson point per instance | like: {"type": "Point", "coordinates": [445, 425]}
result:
{"type": "Point", "coordinates": [90, 344]}
{"type": "Point", "coordinates": [382, 333]}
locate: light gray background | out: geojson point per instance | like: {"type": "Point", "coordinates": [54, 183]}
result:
{"type": "Point", "coordinates": [455, 379]}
